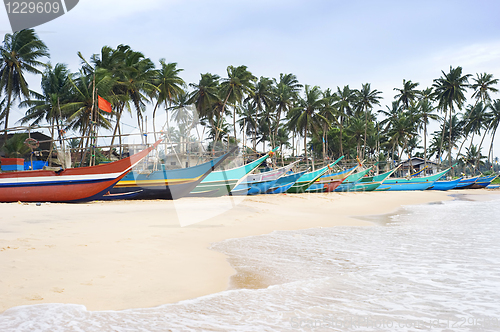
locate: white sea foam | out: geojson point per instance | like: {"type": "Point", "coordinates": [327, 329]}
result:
{"type": "Point", "coordinates": [430, 268]}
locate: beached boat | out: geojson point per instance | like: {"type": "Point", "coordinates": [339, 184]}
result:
{"type": "Point", "coordinates": [464, 183]}
{"type": "Point", "coordinates": [370, 183]}
{"type": "Point", "coordinates": [411, 183]}
{"type": "Point", "coordinates": [66, 185]}
{"type": "Point", "coordinates": [164, 184]}
{"type": "Point", "coordinates": [219, 183]}
{"type": "Point", "coordinates": [284, 183]}
{"type": "Point", "coordinates": [351, 180]}
{"type": "Point", "coordinates": [301, 185]}
{"type": "Point", "coordinates": [483, 182]}
{"type": "Point", "coordinates": [255, 184]}
{"type": "Point", "coordinates": [329, 182]}
{"type": "Point", "coordinates": [445, 185]}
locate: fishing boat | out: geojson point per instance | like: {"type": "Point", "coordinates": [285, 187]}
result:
{"type": "Point", "coordinates": [284, 183]}
{"type": "Point", "coordinates": [445, 185]}
{"type": "Point", "coordinates": [464, 183]}
{"type": "Point", "coordinates": [301, 185]}
{"type": "Point", "coordinates": [370, 183]}
{"type": "Point", "coordinates": [255, 184]}
{"type": "Point", "coordinates": [164, 184]}
{"type": "Point", "coordinates": [411, 183]}
{"type": "Point", "coordinates": [330, 182]}
{"type": "Point", "coordinates": [351, 180]}
{"type": "Point", "coordinates": [66, 185]}
{"type": "Point", "coordinates": [219, 183]}
{"type": "Point", "coordinates": [483, 182]}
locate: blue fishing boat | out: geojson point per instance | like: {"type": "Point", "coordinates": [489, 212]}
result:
{"type": "Point", "coordinates": [255, 184]}
{"type": "Point", "coordinates": [411, 183]}
{"type": "Point", "coordinates": [483, 182]}
{"type": "Point", "coordinates": [466, 182]}
{"type": "Point", "coordinates": [164, 184]}
{"type": "Point", "coordinates": [306, 180]}
{"type": "Point", "coordinates": [284, 183]}
{"type": "Point", "coordinates": [445, 185]}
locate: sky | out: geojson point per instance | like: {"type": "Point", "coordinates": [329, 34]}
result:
{"type": "Point", "coordinates": [328, 43]}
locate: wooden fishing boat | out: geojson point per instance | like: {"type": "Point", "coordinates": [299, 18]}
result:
{"type": "Point", "coordinates": [330, 182]}
{"type": "Point", "coordinates": [165, 184]}
{"type": "Point", "coordinates": [255, 184]}
{"type": "Point", "coordinates": [483, 182]}
{"type": "Point", "coordinates": [411, 184]}
{"type": "Point", "coordinates": [464, 183]}
{"type": "Point", "coordinates": [219, 183]}
{"type": "Point", "coordinates": [66, 185]}
{"type": "Point", "coordinates": [301, 185]}
{"type": "Point", "coordinates": [351, 180]}
{"type": "Point", "coordinates": [370, 183]}
{"type": "Point", "coordinates": [284, 183]}
{"type": "Point", "coordinates": [445, 185]}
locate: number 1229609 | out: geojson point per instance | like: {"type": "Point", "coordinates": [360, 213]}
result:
{"type": "Point", "coordinates": [32, 7]}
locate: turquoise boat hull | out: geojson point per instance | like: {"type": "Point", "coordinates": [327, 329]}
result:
{"type": "Point", "coordinates": [284, 183]}
{"type": "Point", "coordinates": [411, 184]}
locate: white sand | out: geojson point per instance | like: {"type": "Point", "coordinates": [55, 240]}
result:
{"type": "Point", "coordinates": [135, 254]}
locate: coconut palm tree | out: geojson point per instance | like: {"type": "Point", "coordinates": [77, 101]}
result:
{"type": "Point", "coordinates": [205, 96]}
{"type": "Point", "coordinates": [449, 91]}
{"type": "Point", "coordinates": [344, 105]}
{"type": "Point", "coordinates": [235, 87]}
{"type": "Point", "coordinates": [20, 53]}
{"type": "Point", "coordinates": [302, 118]}
{"type": "Point", "coordinates": [249, 121]}
{"type": "Point", "coordinates": [424, 112]}
{"type": "Point", "coordinates": [408, 94]}
{"type": "Point", "coordinates": [494, 117]}
{"type": "Point", "coordinates": [366, 99]}
{"type": "Point", "coordinates": [483, 86]}
{"type": "Point", "coordinates": [169, 85]}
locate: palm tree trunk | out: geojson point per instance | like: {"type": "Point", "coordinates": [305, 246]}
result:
{"type": "Point", "coordinates": [366, 128]}
{"type": "Point", "coordinates": [7, 112]}
{"type": "Point", "coordinates": [449, 141]}
{"type": "Point", "coordinates": [478, 156]}
{"type": "Point", "coordinates": [340, 139]}
{"type": "Point", "coordinates": [490, 153]}
{"type": "Point", "coordinates": [425, 143]}
{"type": "Point", "coordinates": [440, 152]}
{"type": "Point", "coordinates": [305, 146]}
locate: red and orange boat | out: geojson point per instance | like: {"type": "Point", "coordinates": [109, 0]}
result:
{"type": "Point", "coordinates": [67, 185]}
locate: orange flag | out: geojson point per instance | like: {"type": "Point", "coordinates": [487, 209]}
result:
{"type": "Point", "coordinates": [104, 104]}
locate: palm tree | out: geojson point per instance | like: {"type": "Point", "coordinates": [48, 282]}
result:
{"type": "Point", "coordinates": [205, 95]}
{"type": "Point", "coordinates": [261, 96]}
{"type": "Point", "coordinates": [169, 85]}
{"type": "Point", "coordinates": [408, 94]}
{"type": "Point", "coordinates": [47, 107]}
{"type": "Point", "coordinates": [494, 117]}
{"type": "Point", "coordinates": [235, 87]}
{"type": "Point", "coordinates": [249, 121]}
{"type": "Point", "coordinates": [19, 54]}
{"type": "Point", "coordinates": [425, 113]}
{"type": "Point", "coordinates": [347, 98]}
{"type": "Point", "coordinates": [366, 99]}
{"type": "Point", "coordinates": [329, 115]}
{"type": "Point", "coordinates": [449, 92]}
{"type": "Point", "coordinates": [482, 86]}
{"type": "Point", "coordinates": [301, 118]}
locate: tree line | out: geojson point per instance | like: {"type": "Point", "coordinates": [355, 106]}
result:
{"type": "Point", "coordinates": [268, 111]}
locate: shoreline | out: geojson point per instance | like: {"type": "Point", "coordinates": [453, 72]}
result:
{"type": "Point", "coordinates": [134, 254]}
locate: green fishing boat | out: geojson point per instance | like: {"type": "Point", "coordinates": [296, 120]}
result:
{"type": "Point", "coordinates": [301, 185]}
{"type": "Point", "coordinates": [221, 183]}
{"type": "Point", "coordinates": [370, 183]}
{"type": "Point", "coordinates": [351, 180]}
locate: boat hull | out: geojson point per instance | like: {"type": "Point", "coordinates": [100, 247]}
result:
{"type": "Point", "coordinates": [69, 185]}
{"type": "Point", "coordinates": [284, 183]}
{"type": "Point", "coordinates": [444, 185]}
{"type": "Point", "coordinates": [166, 184]}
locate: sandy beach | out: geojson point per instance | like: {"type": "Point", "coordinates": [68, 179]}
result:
{"type": "Point", "coordinates": [137, 254]}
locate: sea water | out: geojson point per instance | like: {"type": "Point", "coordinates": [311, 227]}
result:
{"type": "Point", "coordinates": [425, 268]}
